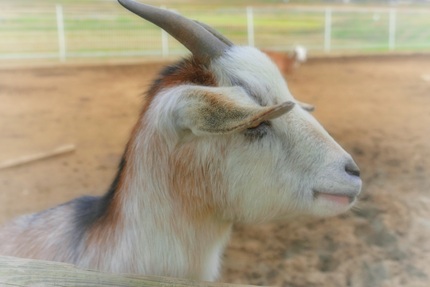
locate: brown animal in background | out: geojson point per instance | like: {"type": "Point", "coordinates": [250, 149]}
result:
{"type": "Point", "coordinates": [287, 62]}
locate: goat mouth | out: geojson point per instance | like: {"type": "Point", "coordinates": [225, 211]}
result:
{"type": "Point", "coordinates": [343, 199]}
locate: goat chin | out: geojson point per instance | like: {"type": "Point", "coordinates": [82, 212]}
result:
{"type": "Point", "coordinates": [220, 139]}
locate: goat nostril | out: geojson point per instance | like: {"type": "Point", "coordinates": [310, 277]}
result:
{"type": "Point", "coordinates": [352, 169]}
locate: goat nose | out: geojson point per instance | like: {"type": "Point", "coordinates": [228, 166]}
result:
{"type": "Point", "coordinates": [351, 168]}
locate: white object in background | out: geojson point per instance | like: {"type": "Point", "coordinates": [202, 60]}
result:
{"type": "Point", "coordinates": [301, 53]}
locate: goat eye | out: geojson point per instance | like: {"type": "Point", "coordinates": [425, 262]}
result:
{"type": "Point", "coordinates": [258, 132]}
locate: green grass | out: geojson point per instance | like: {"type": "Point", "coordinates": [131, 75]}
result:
{"type": "Point", "coordinates": [103, 26]}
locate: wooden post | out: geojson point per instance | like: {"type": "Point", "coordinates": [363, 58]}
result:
{"type": "Point", "coordinates": [21, 272]}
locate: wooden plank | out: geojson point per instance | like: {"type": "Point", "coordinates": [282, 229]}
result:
{"type": "Point", "coordinates": [31, 273]}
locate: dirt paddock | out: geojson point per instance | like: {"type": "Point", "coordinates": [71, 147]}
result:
{"type": "Point", "coordinates": [376, 108]}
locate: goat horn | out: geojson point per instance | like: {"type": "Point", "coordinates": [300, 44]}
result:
{"type": "Point", "coordinates": [201, 42]}
{"type": "Point", "coordinates": [216, 33]}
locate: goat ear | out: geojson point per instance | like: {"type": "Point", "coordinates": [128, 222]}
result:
{"type": "Point", "coordinates": [210, 112]}
{"type": "Point", "coordinates": [307, 107]}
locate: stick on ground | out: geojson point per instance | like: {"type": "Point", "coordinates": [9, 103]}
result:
{"type": "Point", "coordinates": [38, 156]}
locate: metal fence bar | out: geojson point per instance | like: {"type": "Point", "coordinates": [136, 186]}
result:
{"type": "Point", "coordinates": [327, 30]}
{"type": "Point", "coordinates": [392, 30]}
{"type": "Point", "coordinates": [250, 25]}
{"type": "Point", "coordinates": [164, 41]}
{"type": "Point", "coordinates": [61, 34]}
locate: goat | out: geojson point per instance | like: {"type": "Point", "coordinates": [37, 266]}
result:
{"type": "Point", "coordinates": [220, 139]}
{"type": "Point", "coordinates": [288, 62]}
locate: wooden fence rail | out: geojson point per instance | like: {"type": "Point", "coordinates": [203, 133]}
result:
{"type": "Point", "coordinates": [36, 273]}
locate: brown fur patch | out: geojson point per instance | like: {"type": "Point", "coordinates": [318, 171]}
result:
{"type": "Point", "coordinates": [192, 181]}
{"type": "Point", "coordinates": [187, 71]}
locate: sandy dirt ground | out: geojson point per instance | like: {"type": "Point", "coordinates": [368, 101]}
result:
{"type": "Point", "coordinates": [376, 108]}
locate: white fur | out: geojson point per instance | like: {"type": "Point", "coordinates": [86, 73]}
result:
{"type": "Point", "coordinates": [301, 158]}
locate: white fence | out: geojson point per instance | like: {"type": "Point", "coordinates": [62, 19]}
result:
{"type": "Point", "coordinates": [72, 31]}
